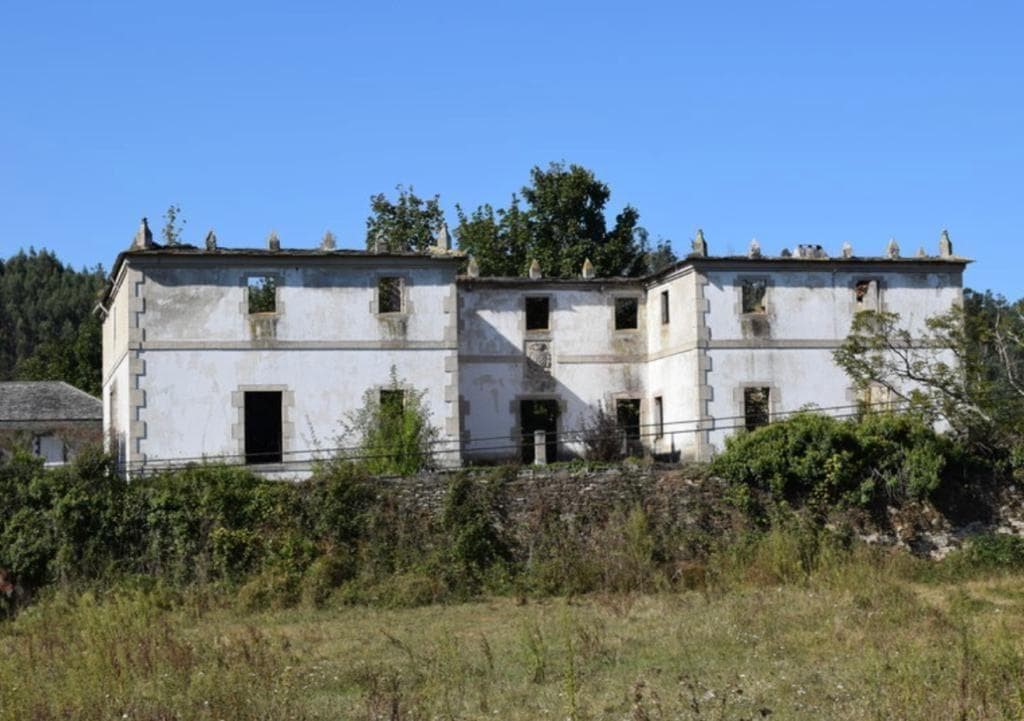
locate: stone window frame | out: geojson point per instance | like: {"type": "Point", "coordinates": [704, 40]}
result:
{"type": "Point", "coordinates": [879, 282]}
{"type": "Point", "coordinates": [769, 284]}
{"type": "Point", "coordinates": [640, 312]}
{"type": "Point", "coordinates": [538, 333]}
{"type": "Point", "coordinates": [278, 277]}
{"type": "Point", "coordinates": [405, 277]}
{"type": "Point", "coordinates": [288, 438]}
{"type": "Point", "coordinates": [657, 423]}
{"type": "Point", "coordinates": [739, 402]}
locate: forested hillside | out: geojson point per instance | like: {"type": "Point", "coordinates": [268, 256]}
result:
{"type": "Point", "coordinates": [47, 328]}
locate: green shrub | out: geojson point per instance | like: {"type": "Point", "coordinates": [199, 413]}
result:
{"type": "Point", "coordinates": [272, 589]}
{"type": "Point", "coordinates": [394, 430]}
{"type": "Point", "coordinates": [820, 461]}
{"type": "Point", "coordinates": [992, 551]}
{"type": "Point", "coordinates": [474, 522]}
{"type": "Point", "coordinates": [324, 575]}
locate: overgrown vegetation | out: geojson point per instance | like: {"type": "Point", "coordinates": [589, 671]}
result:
{"type": "Point", "coordinates": [396, 436]}
{"type": "Point", "coordinates": [790, 624]}
{"type": "Point", "coordinates": [965, 367]}
{"type": "Point", "coordinates": [825, 463]}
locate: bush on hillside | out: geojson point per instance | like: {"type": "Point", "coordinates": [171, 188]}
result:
{"type": "Point", "coordinates": [821, 461]}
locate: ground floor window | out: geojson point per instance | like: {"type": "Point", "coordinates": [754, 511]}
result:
{"type": "Point", "coordinates": [627, 415]}
{"type": "Point", "coordinates": [263, 427]}
{"type": "Point", "coordinates": [755, 407]}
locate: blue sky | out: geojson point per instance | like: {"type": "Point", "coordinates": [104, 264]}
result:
{"type": "Point", "coordinates": [791, 122]}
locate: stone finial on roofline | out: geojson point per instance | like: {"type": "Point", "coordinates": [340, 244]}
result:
{"type": "Point", "coordinates": [473, 268]}
{"type": "Point", "coordinates": [786, 253]}
{"type": "Point", "coordinates": [588, 271]}
{"type": "Point", "coordinates": [847, 250]}
{"type": "Point", "coordinates": [328, 242]}
{"type": "Point", "coordinates": [893, 249]}
{"type": "Point", "coordinates": [443, 240]}
{"type": "Point", "coordinates": [211, 240]}
{"type": "Point", "coordinates": [920, 253]}
{"type": "Point", "coordinates": [273, 242]}
{"type": "Point", "coordinates": [700, 246]}
{"type": "Point", "coordinates": [535, 270]}
{"type": "Point", "coordinates": [143, 237]}
{"type": "Point", "coordinates": [755, 249]}
{"type": "Point", "coordinates": [945, 245]}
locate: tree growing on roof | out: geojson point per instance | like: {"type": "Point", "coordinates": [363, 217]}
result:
{"type": "Point", "coordinates": [563, 224]}
{"type": "Point", "coordinates": [409, 223]}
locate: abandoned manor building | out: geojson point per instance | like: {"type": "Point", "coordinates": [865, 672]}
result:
{"type": "Point", "coordinates": [259, 355]}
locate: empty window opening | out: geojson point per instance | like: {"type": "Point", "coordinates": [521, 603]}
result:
{"type": "Point", "coordinates": [866, 294]}
{"type": "Point", "coordinates": [537, 313]}
{"type": "Point", "coordinates": [626, 310]}
{"type": "Point", "coordinates": [659, 417]}
{"type": "Point", "coordinates": [627, 415]}
{"type": "Point", "coordinates": [755, 407]}
{"type": "Point", "coordinates": [262, 294]}
{"type": "Point", "coordinates": [389, 295]}
{"type": "Point", "coordinates": [539, 415]}
{"type": "Point", "coordinates": [754, 296]}
{"type": "Point", "coordinates": [263, 427]}
{"type": "Point", "coordinates": [664, 307]}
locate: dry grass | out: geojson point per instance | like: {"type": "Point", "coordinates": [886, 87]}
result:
{"type": "Point", "coordinates": [856, 641]}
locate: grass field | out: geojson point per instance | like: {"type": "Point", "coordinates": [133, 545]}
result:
{"type": "Point", "coordinates": [862, 638]}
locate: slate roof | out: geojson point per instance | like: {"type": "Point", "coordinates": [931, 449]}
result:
{"type": "Point", "coordinates": [28, 401]}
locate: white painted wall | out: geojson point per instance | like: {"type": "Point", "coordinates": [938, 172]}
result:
{"type": "Point", "coordinates": [190, 412]}
{"type": "Point", "coordinates": [808, 315]}
{"type": "Point", "coordinates": [197, 348]}
{"type": "Point", "coordinates": [592, 364]}
{"type": "Point", "coordinates": [466, 346]}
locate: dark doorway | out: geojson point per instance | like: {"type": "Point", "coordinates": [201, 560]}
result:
{"type": "Point", "coordinates": [627, 414]}
{"type": "Point", "coordinates": [539, 415]}
{"type": "Point", "coordinates": [263, 427]}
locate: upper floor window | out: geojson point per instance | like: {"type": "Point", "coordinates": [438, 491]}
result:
{"type": "Point", "coordinates": [866, 295]}
{"type": "Point", "coordinates": [262, 294]}
{"type": "Point", "coordinates": [754, 292]}
{"type": "Point", "coordinates": [626, 311]}
{"type": "Point", "coordinates": [664, 307]}
{"type": "Point", "coordinates": [389, 294]}
{"type": "Point", "coordinates": [538, 313]}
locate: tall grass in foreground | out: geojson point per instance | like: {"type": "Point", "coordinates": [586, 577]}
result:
{"type": "Point", "coordinates": [786, 624]}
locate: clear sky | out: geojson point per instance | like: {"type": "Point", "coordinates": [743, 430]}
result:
{"type": "Point", "coordinates": [792, 122]}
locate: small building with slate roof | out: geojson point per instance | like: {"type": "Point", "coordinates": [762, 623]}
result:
{"type": "Point", "coordinates": [51, 418]}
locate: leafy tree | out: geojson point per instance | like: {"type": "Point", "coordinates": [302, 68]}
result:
{"type": "Point", "coordinates": [660, 256]}
{"type": "Point", "coordinates": [977, 385]}
{"type": "Point", "coordinates": [47, 329]}
{"type": "Point", "coordinates": [562, 225]}
{"type": "Point", "coordinates": [408, 224]}
{"type": "Point", "coordinates": [499, 240]}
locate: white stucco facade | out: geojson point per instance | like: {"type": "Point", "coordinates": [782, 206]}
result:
{"type": "Point", "coordinates": [183, 351]}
